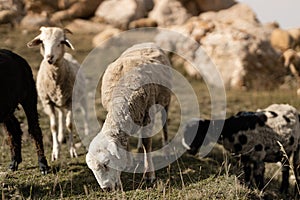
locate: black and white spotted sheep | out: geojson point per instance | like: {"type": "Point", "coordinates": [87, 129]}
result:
{"type": "Point", "coordinates": [268, 135]}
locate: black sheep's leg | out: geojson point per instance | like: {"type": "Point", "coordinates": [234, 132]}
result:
{"type": "Point", "coordinates": [30, 108]}
{"type": "Point", "coordinates": [259, 171]}
{"type": "Point", "coordinates": [14, 139]}
{"type": "Point", "coordinates": [285, 174]}
{"type": "Point", "coordinates": [248, 172]}
{"type": "Point", "coordinates": [296, 168]}
{"type": "Point", "coordinates": [247, 167]}
{"type": "Point", "coordinates": [285, 178]}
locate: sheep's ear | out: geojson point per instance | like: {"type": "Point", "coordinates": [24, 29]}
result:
{"type": "Point", "coordinates": [42, 28]}
{"type": "Point", "coordinates": [36, 41]}
{"type": "Point", "coordinates": [113, 149]}
{"type": "Point", "coordinates": [68, 44]}
{"type": "Point", "coordinates": [67, 31]}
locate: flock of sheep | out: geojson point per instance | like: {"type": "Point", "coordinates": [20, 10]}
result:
{"type": "Point", "coordinates": [139, 79]}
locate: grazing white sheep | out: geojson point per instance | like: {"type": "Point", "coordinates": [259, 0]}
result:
{"type": "Point", "coordinates": [139, 79]}
{"type": "Point", "coordinates": [55, 81]}
{"type": "Point", "coordinates": [258, 137]}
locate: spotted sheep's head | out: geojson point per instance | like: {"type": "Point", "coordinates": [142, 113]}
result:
{"type": "Point", "coordinates": [53, 40]}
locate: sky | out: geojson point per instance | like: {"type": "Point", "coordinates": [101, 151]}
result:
{"type": "Point", "coordinates": [285, 12]}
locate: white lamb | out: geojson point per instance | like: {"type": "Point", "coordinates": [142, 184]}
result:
{"type": "Point", "coordinates": [55, 81]}
{"type": "Point", "coordinates": [139, 79]}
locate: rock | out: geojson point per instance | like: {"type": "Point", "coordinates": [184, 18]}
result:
{"type": "Point", "coordinates": [79, 9]}
{"type": "Point", "coordinates": [195, 7]}
{"type": "Point", "coordinates": [11, 12]}
{"type": "Point", "coordinates": [281, 40]}
{"type": "Point", "coordinates": [86, 26]}
{"type": "Point", "coordinates": [169, 12]}
{"type": "Point", "coordinates": [214, 5]}
{"type": "Point", "coordinates": [236, 42]}
{"type": "Point", "coordinates": [143, 22]}
{"type": "Point", "coordinates": [35, 21]}
{"type": "Point", "coordinates": [105, 35]}
{"type": "Point", "coordinates": [120, 13]}
{"type": "Point", "coordinates": [295, 33]}
{"type": "Point", "coordinates": [40, 6]}
{"type": "Point", "coordinates": [8, 17]}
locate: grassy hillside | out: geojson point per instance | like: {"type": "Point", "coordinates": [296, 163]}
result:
{"type": "Point", "coordinates": [217, 176]}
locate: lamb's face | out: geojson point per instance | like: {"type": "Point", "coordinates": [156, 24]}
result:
{"type": "Point", "coordinates": [107, 177]}
{"type": "Point", "coordinates": [53, 40]}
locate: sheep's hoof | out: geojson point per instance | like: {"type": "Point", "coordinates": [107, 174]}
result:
{"type": "Point", "coordinates": [73, 152]}
{"type": "Point", "coordinates": [62, 140]}
{"type": "Point", "coordinates": [54, 156]}
{"type": "Point", "coordinates": [150, 177]}
{"type": "Point", "coordinates": [44, 168]}
{"type": "Point", "coordinates": [13, 166]}
{"type": "Point", "coordinates": [86, 132]}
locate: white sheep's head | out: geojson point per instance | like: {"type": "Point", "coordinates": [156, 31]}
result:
{"type": "Point", "coordinates": [106, 161]}
{"type": "Point", "coordinates": [53, 40]}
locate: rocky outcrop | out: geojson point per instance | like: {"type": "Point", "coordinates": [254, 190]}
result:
{"type": "Point", "coordinates": [35, 21]}
{"type": "Point", "coordinates": [80, 26]}
{"type": "Point", "coordinates": [195, 7]}
{"type": "Point", "coordinates": [283, 40]}
{"type": "Point", "coordinates": [79, 9]}
{"type": "Point", "coordinates": [105, 35]}
{"type": "Point", "coordinates": [120, 13]}
{"type": "Point", "coordinates": [169, 12]}
{"type": "Point", "coordinates": [237, 43]}
{"type": "Point", "coordinates": [11, 12]}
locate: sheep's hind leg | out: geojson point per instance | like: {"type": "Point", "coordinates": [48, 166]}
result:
{"type": "Point", "coordinates": [164, 119]}
{"type": "Point", "coordinates": [84, 110]}
{"type": "Point", "coordinates": [36, 132]}
{"type": "Point", "coordinates": [14, 139]}
{"type": "Point", "coordinates": [69, 128]}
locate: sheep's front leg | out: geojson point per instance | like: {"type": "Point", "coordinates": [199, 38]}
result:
{"type": "Point", "coordinates": [69, 128]}
{"type": "Point", "coordinates": [296, 168]}
{"type": "Point", "coordinates": [285, 174]}
{"type": "Point", "coordinates": [50, 111]}
{"type": "Point", "coordinates": [258, 172]}
{"type": "Point", "coordinates": [285, 178]}
{"type": "Point", "coordinates": [149, 167]}
{"type": "Point", "coordinates": [60, 126]}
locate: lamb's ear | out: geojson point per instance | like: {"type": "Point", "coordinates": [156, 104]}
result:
{"type": "Point", "coordinates": [67, 31]}
{"type": "Point", "coordinates": [113, 149]}
{"type": "Point", "coordinates": [35, 42]}
{"type": "Point", "coordinates": [68, 44]}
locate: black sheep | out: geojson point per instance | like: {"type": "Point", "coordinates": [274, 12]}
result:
{"type": "Point", "coordinates": [18, 87]}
